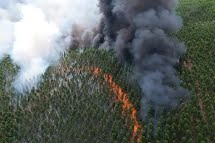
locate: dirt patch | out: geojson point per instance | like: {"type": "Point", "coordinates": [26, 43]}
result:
{"type": "Point", "coordinates": [201, 103]}
{"type": "Point", "coordinates": [188, 64]}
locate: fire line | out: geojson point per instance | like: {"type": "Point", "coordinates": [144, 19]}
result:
{"type": "Point", "coordinates": [127, 105]}
{"type": "Point", "coordinates": [121, 97]}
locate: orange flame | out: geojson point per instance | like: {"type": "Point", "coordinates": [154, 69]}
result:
{"type": "Point", "coordinates": [121, 97]}
{"type": "Point", "coordinates": [127, 105]}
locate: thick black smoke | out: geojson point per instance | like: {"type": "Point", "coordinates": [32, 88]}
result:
{"type": "Point", "coordinates": [139, 32]}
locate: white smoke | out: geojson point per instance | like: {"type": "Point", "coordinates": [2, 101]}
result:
{"type": "Point", "coordinates": [35, 33]}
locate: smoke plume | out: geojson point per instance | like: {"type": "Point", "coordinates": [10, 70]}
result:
{"type": "Point", "coordinates": [35, 33]}
{"type": "Point", "coordinates": [139, 32]}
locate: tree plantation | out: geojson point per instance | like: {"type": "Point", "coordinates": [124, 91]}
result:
{"type": "Point", "coordinates": [90, 97]}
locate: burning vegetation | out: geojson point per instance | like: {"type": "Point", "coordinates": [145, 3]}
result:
{"type": "Point", "coordinates": [128, 107]}
{"type": "Point", "coordinates": [72, 102]}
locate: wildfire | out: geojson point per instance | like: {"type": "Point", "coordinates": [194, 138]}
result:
{"type": "Point", "coordinates": [127, 105]}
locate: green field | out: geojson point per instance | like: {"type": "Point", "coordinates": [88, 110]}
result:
{"type": "Point", "coordinates": [74, 105]}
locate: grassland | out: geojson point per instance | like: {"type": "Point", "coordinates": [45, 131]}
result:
{"type": "Point", "coordinates": [75, 105]}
